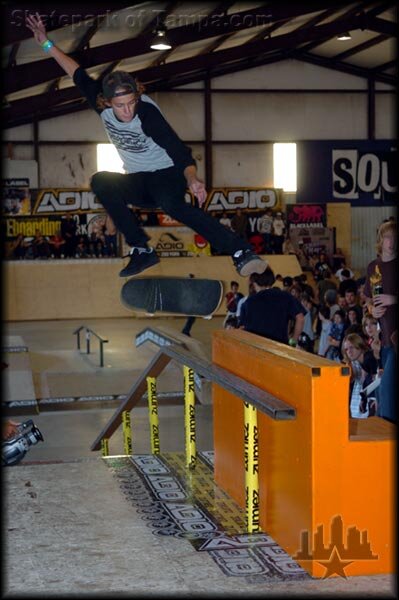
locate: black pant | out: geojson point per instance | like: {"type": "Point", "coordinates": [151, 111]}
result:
{"type": "Point", "coordinates": [163, 189]}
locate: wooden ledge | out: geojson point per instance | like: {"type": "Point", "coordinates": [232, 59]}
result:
{"type": "Point", "coordinates": [371, 429]}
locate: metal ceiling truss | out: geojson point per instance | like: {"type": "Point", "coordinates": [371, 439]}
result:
{"type": "Point", "coordinates": [261, 49]}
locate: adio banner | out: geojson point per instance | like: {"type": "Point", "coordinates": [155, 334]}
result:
{"type": "Point", "coordinates": [26, 212]}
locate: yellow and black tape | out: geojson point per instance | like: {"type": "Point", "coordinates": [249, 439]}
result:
{"type": "Point", "coordinates": [104, 447]}
{"type": "Point", "coordinates": [251, 464]}
{"type": "Point", "coordinates": [153, 414]}
{"type": "Point", "coordinates": [127, 433]}
{"type": "Point", "coordinates": [189, 417]}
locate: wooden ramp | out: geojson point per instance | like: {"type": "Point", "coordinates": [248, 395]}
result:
{"type": "Point", "coordinates": [18, 383]}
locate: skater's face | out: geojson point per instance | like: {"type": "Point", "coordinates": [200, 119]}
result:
{"type": "Point", "coordinates": [123, 107]}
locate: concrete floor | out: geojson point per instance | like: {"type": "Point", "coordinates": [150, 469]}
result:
{"type": "Point", "coordinates": [69, 527]}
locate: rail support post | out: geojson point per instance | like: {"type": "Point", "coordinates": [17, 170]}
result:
{"type": "Point", "coordinates": [189, 418]}
{"type": "Point", "coordinates": [153, 414]}
{"type": "Point", "coordinates": [127, 432]}
{"type": "Point", "coordinates": [88, 336]}
{"type": "Point", "coordinates": [251, 461]}
{"type": "Point", "coordinates": [104, 447]}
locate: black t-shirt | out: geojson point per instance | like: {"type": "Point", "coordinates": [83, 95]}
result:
{"type": "Point", "coordinates": [389, 271]}
{"type": "Point", "coordinates": [267, 313]}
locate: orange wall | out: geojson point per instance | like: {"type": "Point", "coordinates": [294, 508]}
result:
{"type": "Point", "coordinates": [310, 469]}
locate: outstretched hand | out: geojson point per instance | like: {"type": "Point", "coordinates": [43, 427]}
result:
{"type": "Point", "coordinates": [197, 187]}
{"type": "Point", "coordinates": [36, 25]}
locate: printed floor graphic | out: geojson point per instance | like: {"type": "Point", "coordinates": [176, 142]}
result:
{"type": "Point", "coordinates": [188, 504]}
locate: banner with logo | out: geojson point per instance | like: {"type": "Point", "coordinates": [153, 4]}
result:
{"type": "Point", "coordinates": [248, 199]}
{"type": "Point", "coordinates": [361, 172]}
{"type": "Point", "coordinates": [16, 197]}
{"type": "Point", "coordinates": [60, 201]}
{"type": "Point", "coordinates": [89, 226]}
{"type": "Point", "coordinates": [175, 241]}
{"type": "Point", "coordinates": [26, 211]}
{"type": "Point", "coordinates": [308, 231]}
{"type": "Point", "coordinates": [219, 200]}
{"type": "Point", "coordinates": [308, 241]}
{"type": "Point", "coordinates": [308, 216]}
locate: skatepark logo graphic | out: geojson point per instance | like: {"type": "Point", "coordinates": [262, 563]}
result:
{"type": "Point", "coordinates": [336, 556]}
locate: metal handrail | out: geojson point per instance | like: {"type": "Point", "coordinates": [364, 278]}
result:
{"type": "Point", "coordinates": [267, 403]}
{"type": "Point", "coordinates": [89, 333]}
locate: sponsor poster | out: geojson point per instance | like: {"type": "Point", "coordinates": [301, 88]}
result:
{"type": "Point", "coordinates": [175, 241]}
{"type": "Point", "coordinates": [48, 226]}
{"type": "Point", "coordinates": [27, 211]}
{"type": "Point", "coordinates": [310, 216]}
{"type": "Point", "coordinates": [16, 197]}
{"type": "Point", "coordinates": [47, 209]}
{"type": "Point", "coordinates": [308, 231]}
{"type": "Point", "coordinates": [361, 172]}
{"type": "Point", "coordinates": [308, 241]}
{"type": "Point", "coordinates": [228, 200]}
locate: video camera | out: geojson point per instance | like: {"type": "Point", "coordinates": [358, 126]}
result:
{"type": "Point", "coordinates": [14, 449]}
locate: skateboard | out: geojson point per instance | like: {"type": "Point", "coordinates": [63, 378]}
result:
{"type": "Point", "coordinates": [178, 295]}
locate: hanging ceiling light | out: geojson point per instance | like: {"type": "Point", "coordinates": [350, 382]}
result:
{"type": "Point", "coordinates": [160, 41]}
{"type": "Point", "coordinates": [344, 36]}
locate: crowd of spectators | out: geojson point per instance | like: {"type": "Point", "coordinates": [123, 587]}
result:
{"type": "Point", "coordinates": [342, 322]}
{"type": "Point", "coordinates": [65, 243]}
{"type": "Point", "coordinates": [270, 235]}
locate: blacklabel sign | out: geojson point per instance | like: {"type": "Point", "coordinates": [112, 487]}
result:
{"type": "Point", "coordinates": [16, 182]}
{"type": "Point", "coordinates": [306, 215]}
{"type": "Point", "coordinates": [363, 173]}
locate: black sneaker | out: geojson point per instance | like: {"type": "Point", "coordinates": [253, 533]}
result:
{"type": "Point", "coordinates": [140, 259]}
{"type": "Point", "coordinates": [247, 262]}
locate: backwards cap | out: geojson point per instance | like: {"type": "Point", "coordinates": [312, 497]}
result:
{"type": "Point", "coordinates": [118, 79]}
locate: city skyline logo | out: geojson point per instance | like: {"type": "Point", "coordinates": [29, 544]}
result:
{"type": "Point", "coordinates": [337, 555]}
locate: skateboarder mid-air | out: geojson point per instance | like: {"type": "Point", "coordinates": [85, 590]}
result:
{"type": "Point", "coordinates": [158, 166]}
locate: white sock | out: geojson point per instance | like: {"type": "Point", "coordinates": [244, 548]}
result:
{"type": "Point", "coordinates": [140, 249]}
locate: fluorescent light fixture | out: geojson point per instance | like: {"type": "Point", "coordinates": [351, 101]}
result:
{"type": "Point", "coordinates": [344, 36]}
{"type": "Point", "coordinates": [160, 41]}
{"type": "Point", "coordinates": [108, 159]}
{"type": "Point", "coordinates": [284, 167]}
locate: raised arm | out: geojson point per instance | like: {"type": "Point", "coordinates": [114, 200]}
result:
{"type": "Point", "coordinates": [36, 25]}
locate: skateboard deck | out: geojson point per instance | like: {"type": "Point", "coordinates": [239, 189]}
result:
{"type": "Point", "coordinates": [178, 295]}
